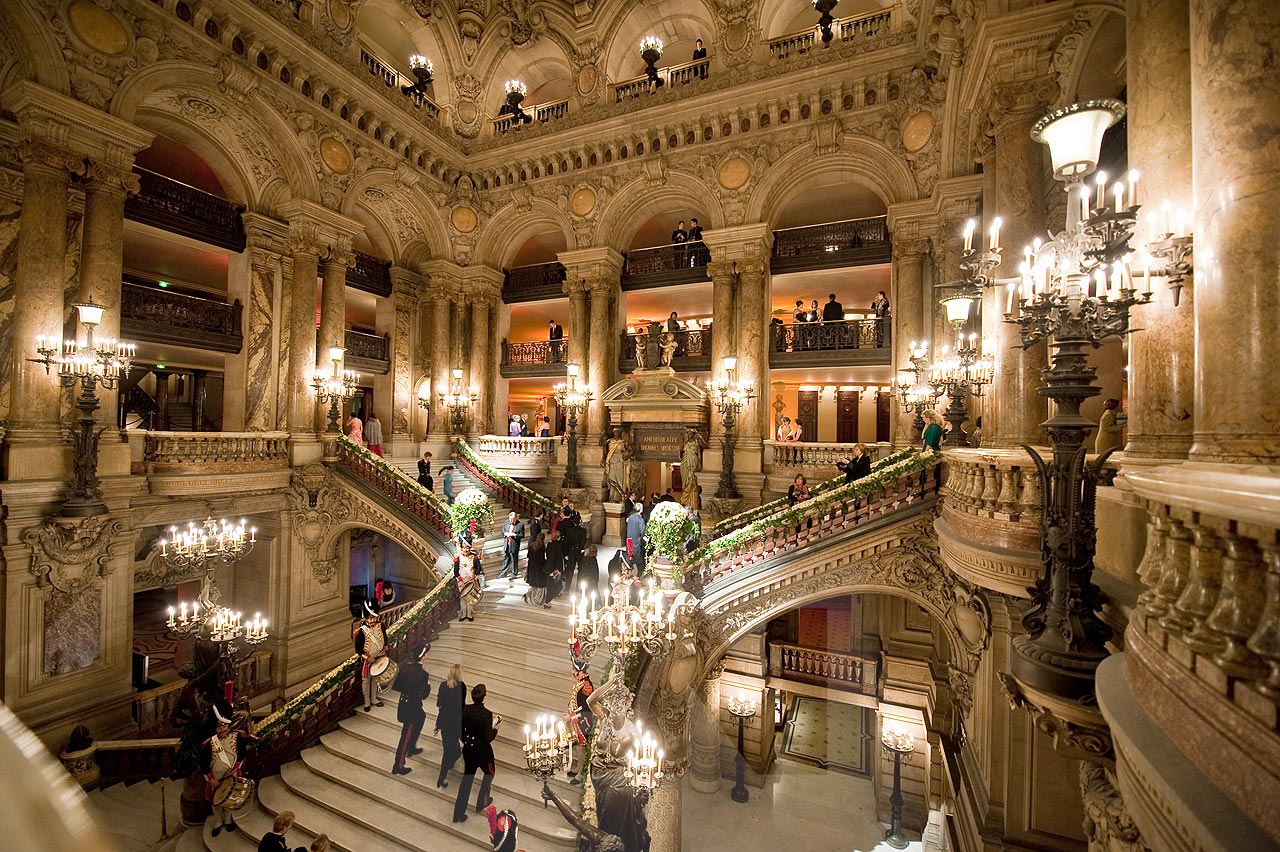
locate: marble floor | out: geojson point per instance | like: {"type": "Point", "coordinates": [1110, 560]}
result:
{"type": "Point", "coordinates": [800, 807]}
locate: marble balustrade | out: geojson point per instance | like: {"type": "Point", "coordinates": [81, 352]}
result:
{"type": "Point", "coordinates": [194, 452]}
{"type": "Point", "coordinates": [813, 454]}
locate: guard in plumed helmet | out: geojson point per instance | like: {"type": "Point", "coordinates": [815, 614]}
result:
{"type": "Point", "coordinates": [414, 685]}
{"type": "Point", "coordinates": [219, 759]}
{"type": "Point", "coordinates": [371, 643]}
{"type": "Point", "coordinates": [504, 829]}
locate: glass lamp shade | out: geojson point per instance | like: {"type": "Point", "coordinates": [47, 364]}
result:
{"type": "Point", "coordinates": [417, 60]}
{"type": "Point", "coordinates": [650, 43]}
{"type": "Point", "coordinates": [1074, 135]}
{"type": "Point", "coordinates": [90, 314]}
{"type": "Point", "coordinates": [958, 307]}
{"type": "Point", "coordinates": [517, 86]}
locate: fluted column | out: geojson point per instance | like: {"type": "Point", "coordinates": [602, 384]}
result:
{"type": "Point", "coordinates": [704, 749]}
{"type": "Point", "coordinates": [908, 319]}
{"type": "Point", "coordinates": [333, 309]}
{"type": "Point", "coordinates": [480, 361]}
{"type": "Point", "coordinates": [1236, 173]}
{"type": "Point", "coordinates": [305, 249]}
{"type": "Point", "coordinates": [1014, 411]}
{"type": "Point", "coordinates": [38, 291]}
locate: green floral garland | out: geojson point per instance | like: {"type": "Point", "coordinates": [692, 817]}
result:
{"type": "Point", "coordinates": [764, 510]}
{"type": "Point", "coordinates": [382, 464]}
{"type": "Point", "coordinates": [669, 527]}
{"type": "Point", "coordinates": [463, 449]}
{"type": "Point", "coordinates": [471, 505]}
{"type": "Point", "coordinates": [268, 728]}
{"type": "Point", "coordinates": [886, 475]}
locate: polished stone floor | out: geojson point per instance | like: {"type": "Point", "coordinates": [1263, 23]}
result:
{"type": "Point", "coordinates": [800, 807]}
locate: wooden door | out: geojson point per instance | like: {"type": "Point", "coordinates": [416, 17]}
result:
{"type": "Point", "coordinates": [883, 401]}
{"type": "Point", "coordinates": [807, 414]}
{"type": "Point", "coordinates": [847, 417]}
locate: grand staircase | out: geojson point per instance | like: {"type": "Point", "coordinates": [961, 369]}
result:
{"type": "Point", "coordinates": [129, 814]}
{"type": "Point", "coordinates": [344, 786]}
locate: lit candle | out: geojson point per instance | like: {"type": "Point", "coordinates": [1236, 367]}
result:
{"type": "Point", "coordinates": [527, 742]}
{"type": "Point", "coordinates": [1084, 202]}
{"type": "Point", "coordinates": [1118, 192]}
{"type": "Point", "coordinates": [1133, 187]}
{"type": "Point", "coordinates": [1101, 181]}
{"type": "Point", "coordinates": [1166, 208]}
{"type": "Point", "coordinates": [968, 234]}
{"type": "Point", "coordinates": [1100, 283]}
{"type": "Point", "coordinates": [995, 234]}
{"type": "Point", "coordinates": [1146, 273]}
{"type": "Point", "coordinates": [1183, 218]}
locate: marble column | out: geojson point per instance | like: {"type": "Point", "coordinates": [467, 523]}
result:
{"type": "Point", "coordinates": [333, 312]}
{"type": "Point", "coordinates": [481, 380]}
{"type": "Point", "coordinates": [438, 423]}
{"type": "Point", "coordinates": [400, 405]}
{"type": "Point", "coordinates": [101, 262]}
{"type": "Point", "coordinates": [252, 371]}
{"type": "Point", "coordinates": [305, 248]}
{"type": "Point", "coordinates": [577, 334]}
{"type": "Point", "coordinates": [753, 347]}
{"type": "Point", "coordinates": [1014, 411]}
{"type": "Point", "coordinates": [1235, 125]}
{"type": "Point", "coordinates": [723, 331]}
{"type": "Point", "coordinates": [665, 816]}
{"type": "Point", "coordinates": [499, 330]}
{"type": "Point", "coordinates": [908, 321]}
{"type": "Point", "coordinates": [603, 367]}
{"type": "Point", "coordinates": [1162, 354]}
{"type": "Point", "coordinates": [38, 293]}
{"type": "Point", "coordinates": [199, 399]}
{"type": "Point", "coordinates": [704, 749]}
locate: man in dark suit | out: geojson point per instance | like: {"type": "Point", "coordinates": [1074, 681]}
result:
{"type": "Point", "coordinates": [635, 539]}
{"type": "Point", "coordinates": [700, 52]}
{"type": "Point", "coordinates": [512, 535]}
{"type": "Point", "coordinates": [414, 685]}
{"type": "Point", "coordinates": [479, 730]}
{"type": "Point", "coordinates": [696, 247]}
{"type": "Point", "coordinates": [832, 311]}
{"type": "Point", "coordinates": [679, 239]}
{"type": "Point", "coordinates": [555, 334]}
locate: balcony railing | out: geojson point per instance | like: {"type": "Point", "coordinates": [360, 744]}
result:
{"type": "Point", "coordinates": [159, 316]}
{"type": "Point", "coordinates": [173, 206]}
{"type": "Point", "coordinates": [541, 114]}
{"type": "Point", "coordinates": [518, 458]}
{"type": "Point", "coordinates": [210, 452]}
{"type": "Point", "coordinates": [676, 263]}
{"type": "Point", "coordinates": [852, 242]}
{"type": "Point", "coordinates": [671, 77]}
{"type": "Point", "coordinates": [393, 79]}
{"type": "Point", "coordinates": [367, 353]}
{"type": "Point", "coordinates": [800, 454]}
{"type": "Point", "coordinates": [693, 350]}
{"type": "Point", "coordinates": [370, 274]}
{"type": "Point", "coordinates": [153, 708]}
{"type": "Point", "coordinates": [534, 358]}
{"type": "Point", "coordinates": [821, 667]}
{"type": "Point", "coordinates": [843, 342]}
{"type": "Point", "coordinates": [533, 282]}
{"type": "Point", "coordinates": [848, 29]}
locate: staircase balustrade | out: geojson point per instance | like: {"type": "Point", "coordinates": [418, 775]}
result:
{"type": "Point", "coordinates": [805, 454]}
{"type": "Point", "coordinates": [394, 484]}
{"type": "Point", "coordinates": [153, 708]}
{"type": "Point", "coordinates": [829, 668]}
{"type": "Point", "coordinates": [526, 458]}
{"type": "Point", "coordinates": [136, 760]}
{"type": "Point", "coordinates": [208, 452]}
{"type": "Point", "coordinates": [524, 500]}
{"type": "Point", "coordinates": [903, 484]}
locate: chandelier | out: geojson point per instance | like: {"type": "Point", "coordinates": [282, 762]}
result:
{"type": "Point", "coordinates": [650, 42]}
{"type": "Point", "coordinates": [516, 86]}
{"type": "Point", "coordinates": [547, 747]}
{"type": "Point", "coordinates": [915, 394]}
{"type": "Point", "coordinates": [421, 68]}
{"type": "Point", "coordinates": [621, 626]}
{"type": "Point", "coordinates": [220, 624]}
{"type": "Point", "coordinates": [218, 541]}
{"type": "Point", "coordinates": [643, 769]}
{"type": "Point", "coordinates": [207, 546]}
{"type": "Point", "coordinates": [334, 387]}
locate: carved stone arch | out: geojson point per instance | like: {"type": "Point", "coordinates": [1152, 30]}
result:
{"type": "Point", "coordinates": [39, 57]}
{"type": "Point", "coordinates": [864, 160]}
{"type": "Point", "coordinates": [627, 22]}
{"type": "Point", "coordinates": [404, 215]}
{"type": "Point", "coordinates": [506, 231]}
{"type": "Point", "coordinates": [542, 61]}
{"type": "Point", "coordinates": [376, 230]}
{"type": "Point", "coordinates": [328, 547]}
{"type": "Point", "coordinates": [624, 213]}
{"type": "Point", "coordinates": [439, 43]}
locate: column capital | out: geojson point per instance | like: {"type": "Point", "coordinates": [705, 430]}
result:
{"type": "Point", "coordinates": [593, 265]}
{"type": "Point", "coordinates": [104, 177]}
{"type": "Point", "coordinates": [329, 228]}
{"type": "Point", "coordinates": [41, 154]}
{"type": "Point", "coordinates": [265, 233]}
{"type": "Point", "coordinates": [339, 254]}
{"type": "Point", "coordinates": [74, 126]}
{"type": "Point", "coordinates": [1017, 101]}
{"type": "Point", "coordinates": [406, 284]}
{"type": "Point", "coordinates": [744, 241]}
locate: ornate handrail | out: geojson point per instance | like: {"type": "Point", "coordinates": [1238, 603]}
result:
{"type": "Point", "coordinates": [367, 347]}
{"type": "Point", "coordinates": [693, 350]}
{"type": "Point", "coordinates": [239, 451]}
{"type": "Point", "coordinates": [764, 510]}
{"type": "Point", "coordinates": [174, 206]}
{"type": "Point", "coordinates": [670, 75]}
{"type": "Point", "coordinates": [393, 79]}
{"type": "Point", "coordinates": [542, 113]}
{"type": "Point", "coordinates": [667, 258]}
{"type": "Point", "coordinates": [867, 25]}
{"type": "Point", "coordinates": [534, 352]}
{"type": "Point", "coordinates": [162, 316]}
{"type": "Point", "coordinates": [524, 500]}
{"type": "Point", "coordinates": [902, 484]}
{"type": "Point", "coordinates": [848, 671]}
{"type": "Point", "coordinates": [394, 484]}
{"type": "Point", "coordinates": [317, 710]}
{"type": "Point", "coordinates": [535, 280]}
{"type": "Point", "coordinates": [153, 708]}
{"type": "Point", "coordinates": [814, 454]}
{"type": "Point", "coordinates": [831, 237]}
{"type": "Point", "coordinates": [831, 335]}
{"type": "Point", "coordinates": [520, 447]}
{"type": "Point", "coordinates": [370, 274]}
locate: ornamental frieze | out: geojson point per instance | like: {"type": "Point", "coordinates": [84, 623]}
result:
{"type": "Point", "coordinates": [72, 554]}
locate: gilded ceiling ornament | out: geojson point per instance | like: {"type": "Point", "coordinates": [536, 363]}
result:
{"type": "Point", "coordinates": [97, 28]}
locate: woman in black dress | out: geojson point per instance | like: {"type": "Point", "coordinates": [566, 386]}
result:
{"type": "Point", "coordinates": [449, 700]}
{"type": "Point", "coordinates": [536, 571]}
{"type": "Point", "coordinates": [555, 567]}
{"type": "Point", "coordinates": [424, 472]}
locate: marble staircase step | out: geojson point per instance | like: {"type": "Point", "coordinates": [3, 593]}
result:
{"type": "Point", "coordinates": [354, 765]}
{"type": "Point", "coordinates": [484, 660]}
{"type": "Point", "coordinates": [510, 733]}
{"type": "Point", "coordinates": [134, 826]}
{"type": "Point", "coordinates": [252, 823]}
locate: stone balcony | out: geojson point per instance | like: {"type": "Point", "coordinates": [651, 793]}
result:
{"type": "Point", "coordinates": [189, 463]}
{"type": "Point", "coordinates": [524, 459]}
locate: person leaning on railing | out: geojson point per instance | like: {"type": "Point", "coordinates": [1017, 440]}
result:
{"type": "Point", "coordinates": [856, 465]}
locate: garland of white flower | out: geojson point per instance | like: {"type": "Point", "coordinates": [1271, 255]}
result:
{"type": "Point", "coordinates": [885, 476]}
{"type": "Point", "coordinates": [379, 462]}
{"type": "Point", "coordinates": [670, 526]}
{"type": "Point", "coordinates": [463, 449]}
{"type": "Point", "coordinates": [471, 505]}
{"type": "Point", "coordinates": [743, 518]}
{"type": "Point", "coordinates": [338, 676]}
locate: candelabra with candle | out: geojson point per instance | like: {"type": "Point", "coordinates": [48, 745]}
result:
{"type": "Point", "coordinates": [651, 52]}
{"type": "Point", "coordinates": [421, 68]}
{"type": "Point", "coordinates": [741, 709]}
{"type": "Point", "coordinates": [335, 387]}
{"type": "Point", "coordinates": [899, 744]}
{"type": "Point", "coordinates": [216, 541]}
{"type": "Point", "coordinates": [1075, 290]}
{"type": "Point", "coordinates": [958, 373]}
{"type": "Point", "coordinates": [87, 363]}
{"type": "Point", "coordinates": [643, 769]}
{"type": "Point", "coordinates": [825, 20]}
{"type": "Point", "coordinates": [458, 400]}
{"type": "Point", "coordinates": [574, 400]}
{"type": "Point", "coordinates": [914, 392]}
{"type": "Point", "coordinates": [206, 547]}
{"type": "Point", "coordinates": [729, 394]}
{"type": "Point", "coordinates": [620, 626]}
{"type": "Point", "coordinates": [547, 747]}
{"type": "Point", "coordinates": [1175, 247]}
{"type": "Point", "coordinates": [516, 91]}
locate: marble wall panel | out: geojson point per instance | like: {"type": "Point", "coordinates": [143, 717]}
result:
{"type": "Point", "coordinates": [72, 629]}
{"type": "Point", "coordinates": [259, 402]}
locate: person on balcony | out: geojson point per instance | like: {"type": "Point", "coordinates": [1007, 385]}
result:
{"type": "Point", "coordinates": [699, 52]}
{"type": "Point", "coordinates": [555, 336]}
{"type": "Point", "coordinates": [544, 427]}
{"type": "Point", "coordinates": [424, 473]}
{"type": "Point", "coordinates": [373, 433]}
{"type": "Point", "coordinates": [697, 249]}
{"type": "Point", "coordinates": [931, 438]}
{"type": "Point", "coordinates": [800, 317]}
{"type": "Point", "coordinates": [1110, 428]}
{"type": "Point", "coordinates": [512, 535]}
{"type": "Point", "coordinates": [784, 429]}
{"type": "Point", "coordinates": [524, 427]}
{"type": "Point", "coordinates": [679, 241]}
{"type": "Point", "coordinates": [880, 307]}
{"type": "Point", "coordinates": [856, 465]}
{"type": "Point", "coordinates": [513, 428]}
{"type": "Point", "coordinates": [832, 311]}
{"type": "Point", "coordinates": [355, 430]}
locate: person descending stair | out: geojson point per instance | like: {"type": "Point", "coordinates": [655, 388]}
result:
{"type": "Point", "coordinates": [414, 685]}
{"type": "Point", "coordinates": [479, 730]}
{"type": "Point", "coordinates": [371, 643]}
{"type": "Point", "coordinates": [469, 573]}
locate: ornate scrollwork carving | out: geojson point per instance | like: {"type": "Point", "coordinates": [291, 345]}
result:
{"type": "Point", "coordinates": [1107, 823]}
{"type": "Point", "coordinates": [1085, 736]}
{"type": "Point", "coordinates": [71, 554]}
